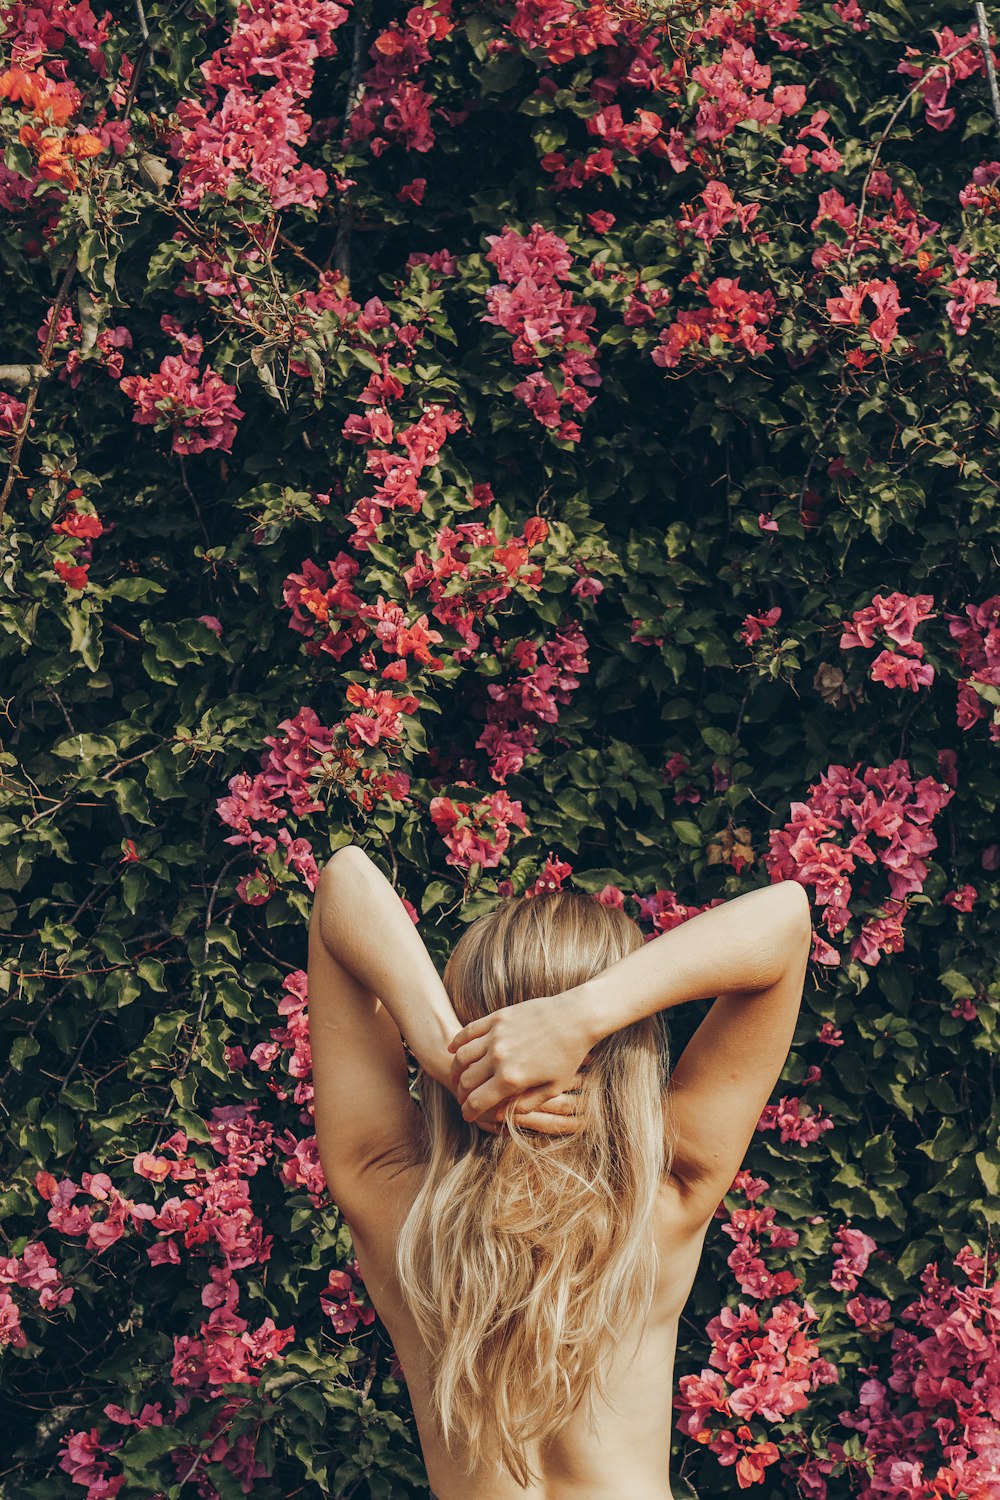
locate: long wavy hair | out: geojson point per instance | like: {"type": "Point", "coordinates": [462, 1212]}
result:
{"type": "Point", "coordinates": [526, 1258]}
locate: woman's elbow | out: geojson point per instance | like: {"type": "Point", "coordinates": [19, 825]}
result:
{"type": "Point", "coordinates": [796, 913]}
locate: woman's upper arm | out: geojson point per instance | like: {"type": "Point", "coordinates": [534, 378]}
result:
{"type": "Point", "coordinates": [725, 1077]}
{"type": "Point", "coordinates": [362, 1103]}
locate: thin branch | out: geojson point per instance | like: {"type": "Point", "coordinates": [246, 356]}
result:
{"type": "Point", "coordinates": [355, 90]}
{"type": "Point", "coordinates": [182, 1071]}
{"type": "Point", "coordinates": [942, 62]}
{"type": "Point", "coordinates": [991, 71]}
{"type": "Point", "coordinates": [14, 469]}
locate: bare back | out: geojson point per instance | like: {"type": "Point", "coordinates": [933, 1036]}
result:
{"type": "Point", "coordinates": [750, 952]}
{"type": "Point", "coordinates": [627, 1450]}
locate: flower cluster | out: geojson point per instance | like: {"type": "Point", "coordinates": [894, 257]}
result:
{"type": "Point", "coordinates": [324, 607]}
{"type": "Point", "coordinates": [467, 571]}
{"type": "Point", "coordinates": [236, 133]}
{"type": "Point", "coordinates": [47, 107]}
{"type": "Point", "coordinates": [398, 473]}
{"type": "Point", "coordinates": [735, 91]}
{"type": "Point", "coordinates": [881, 817]}
{"type": "Point", "coordinates": [733, 317]}
{"type": "Point", "coordinates": [895, 616]}
{"type": "Point", "coordinates": [341, 1302]}
{"type": "Point", "coordinates": [763, 1366]}
{"type": "Point", "coordinates": [932, 1428]}
{"type": "Point", "coordinates": [81, 527]}
{"type": "Point", "coordinates": [285, 776]}
{"type": "Point", "coordinates": [289, 1042]}
{"type": "Point", "coordinates": [853, 1250]}
{"type": "Point", "coordinates": [565, 30]}
{"type": "Point", "coordinates": [477, 832]}
{"type": "Point", "coordinates": [34, 1270]}
{"type": "Point", "coordinates": [197, 407]}
{"type": "Point", "coordinates": [519, 708]}
{"type": "Point", "coordinates": [794, 1121]}
{"type": "Point", "coordinates": [977, 638]}
{"type": "Point", "coordinates": [957, 58]}
{"type": "Point", "coordinates": [543, 319]}
{"type": "Point", "coordinates": [849, 310]}
{"type": "Point", "coordinates": [395, 105]}
{"type": "Point", "coordinates": [105, 351]}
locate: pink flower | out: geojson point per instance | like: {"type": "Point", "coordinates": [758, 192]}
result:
{"type": "Point", "coordinates": [895, 615]}
{"type": "Point", "coordinates": [883, 817]}
{"type": "Point", "coordinates": [753, 626]}
{"type": "Point", "coordinates": [544, 321]}
{"type": "Point", "coordinates": [901, 671]}
{"type": "Point", "coordinates": [476, 833]}
{"type": "Point", "coordinates": [966, 296]}
{"type": "Point", "coordinates": [963, 899]}
{"type": "Point", "coordinates": [853, 1249]}
{"type": "Point", "coordinates": [551, 876]}
{"type": "Point", "coordinates": [795, 1121]}
{"type": "Point", "coordinates": [850, 12]}
{"type": "Point", "coordinates": [977, 637]}
{"type": "Point", "coordinates": [341, 1304]}
{"type": "Point", "coordinates": [720, 210]}
{"type": "Point", "coordinates": [733, 316]}
{"type": "Point", "coordinates": [196, 406]}
{"type": "Point", "coordinates": [11, 1332]}
{"type": "Point", "coordinates": [848, 309]}
{"type": "Point", "coordinates": [870, 1314]}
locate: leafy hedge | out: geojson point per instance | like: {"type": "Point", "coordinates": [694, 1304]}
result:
{"type": "Point", "coordinates": [546, 443]}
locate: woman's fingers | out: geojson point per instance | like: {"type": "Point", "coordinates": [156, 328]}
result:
{"type": "Point", "coordinates": [535, 1098]}
{"type": "Point", "coordinates": [475, 1074]}
{"type": "Point", "coordinates": [550, 1124]}
{"type": "Point", "coordinates": [484, 1098]}
{"type": "Point", "coordinates": [478, 1027]}
{"type": "Point", "coordinates": [469, 1052]}
{"type": "Point", "coordinates": [557, 1104]}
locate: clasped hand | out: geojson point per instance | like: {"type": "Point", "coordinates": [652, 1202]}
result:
{"type": "Point", "coordinates": [525, 1058]}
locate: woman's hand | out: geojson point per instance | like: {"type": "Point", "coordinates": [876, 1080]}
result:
{"type": "Point", "coordinates": [557, 1115]}
{"type": "Point", "coordinates": [533, 1050]}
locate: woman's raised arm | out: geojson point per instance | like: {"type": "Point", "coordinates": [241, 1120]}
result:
{"type": "Point", "coordinates": [366, 928]}
{"type": "Point", "coordinates": [754, 945]}
{"type": "Point", "coordinates": [371, 983]}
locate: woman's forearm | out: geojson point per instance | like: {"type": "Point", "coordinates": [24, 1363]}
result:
{"type": "Point", "coordinates": [744, 945]}
{"type": "Point", "coordinates": [366, 927]}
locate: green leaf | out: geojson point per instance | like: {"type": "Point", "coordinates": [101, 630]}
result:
{"type": "Point", "coordinates": [688, 832]}
{"type": "Point", "coordinates": [23, 1047]}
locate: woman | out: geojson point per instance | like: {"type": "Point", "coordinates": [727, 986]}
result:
{"type": "Point", "coordinates": [530, 1233]}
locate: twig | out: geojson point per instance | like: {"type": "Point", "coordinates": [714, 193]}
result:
{"type": "Point", "coordinates": [105, 776]}
{"type": "Point", "coordinates": [64, 1084]}
{"type": "Point", "coordinates": [942, 62]}
{"type": "Point", "coordinates": [182, 1071]}
{"type": "Point", "coordinates": [14, 469]}
{"type": "Point", "coordinates": [122, 631]}
{"type": "Point", "coordinates": [816, 453]}
{"type": "Point", "coordinates": [991, 71]}
{"type": "Point", "coordinates": [355, 89]}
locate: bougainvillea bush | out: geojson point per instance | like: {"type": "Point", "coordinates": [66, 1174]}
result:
{"type": "Point", "coordinates": [548, 444]}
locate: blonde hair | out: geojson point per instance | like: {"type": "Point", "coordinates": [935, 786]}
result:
{"type": "Point", "coordinates": [525, 1257]}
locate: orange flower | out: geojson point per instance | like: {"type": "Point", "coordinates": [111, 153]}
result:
{"type": "Point", "coordinates": [39, 93]}
{"type": "Point", "coordinates": [85, 144]}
